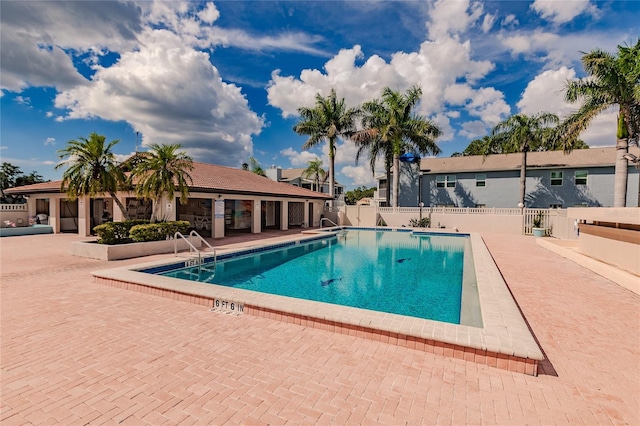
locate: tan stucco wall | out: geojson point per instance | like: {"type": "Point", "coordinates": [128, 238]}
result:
{"type": "Point", "coordinates": [622, 254]}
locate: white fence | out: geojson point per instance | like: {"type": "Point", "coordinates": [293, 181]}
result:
{"type": "Point", "coordinates": [497, 220]}
{"type": "Point", "coordinates": [13, 215]}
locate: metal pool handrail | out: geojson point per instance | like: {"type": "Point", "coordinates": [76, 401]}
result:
{"type": "Point", "coordinates": [193, 250]}
{"type": "Point", "coordinates": [328, 220]}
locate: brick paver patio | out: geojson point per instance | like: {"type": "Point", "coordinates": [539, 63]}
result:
{"type": "Point", "coordinates": [74, 352]}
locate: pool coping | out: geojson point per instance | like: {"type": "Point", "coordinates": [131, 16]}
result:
{"type": "Point", "coordinates": [505, 340]}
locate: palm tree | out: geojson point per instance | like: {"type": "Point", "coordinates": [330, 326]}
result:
{"type": "Point", "coordinates": [613, 80]}
{"type": "Point", "coordinates": [92, 169]}
{"type": "Point", "coordinates": [255, 167]}
{"type": "Point", "coordinates": [522, 133]}
{"type": "Point", "coordinates": [314, 169]}
{"type": "Point", "coordinates": [163, 169]}
{"type": "Point", "coordinates": [391, 128]}
{"type": "Point", "coordinates": [328, 121]}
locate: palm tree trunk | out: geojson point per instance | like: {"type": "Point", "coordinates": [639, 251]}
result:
{"type": "Point", "coordinates": [121, 206]}
{"type": "Point", "coordinates": [332, 160]}
{"type": "Point", "coordinates": [396, 178]}
{"type": "Point", "coordinates": [156, 207]}
{"type": "Point", "coordinates": [621, 173]}
{"type": "Point", "coordinates": [523, 176]}
{"type": "Point", "coordinates": [387, 196]}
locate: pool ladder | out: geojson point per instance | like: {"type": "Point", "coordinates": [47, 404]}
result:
{"type": "Point", "coordinates": [328, 220]}
{"type": "Point", "coordinates": [196, 254]}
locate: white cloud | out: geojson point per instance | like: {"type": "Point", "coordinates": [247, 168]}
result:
{"type": "Point", "coordinates": [23, 100]}
{"type": "Point", "coordinates": [555, 50]}
{"type": "Point", "coordinates": [171, 94]}
{"type": "Point", "coordinates": [33, 35]}
{"type": "Point", "coordinates": [298, 159]}
{"type": "Point", "coordinates": [434, 67]}
{"type": "Point", "coordinates": [49, 114]}
{"type": "Point", "coordinates": [452, 17]}
{"type": "Point", "coordinates": [50, 141]}
{"type": "Point", "coordinates": [36, 37]}
{"type": "Point", "coordinates": [209, 14]}
{"type": "Point", "coordinates": [510, 21]}
{"type": "Point", "coordinates": [546, 93]}
{"type": "Point", "coordinates": [560, 12]}
{"type": "Point", "coordinates": [474, 129]}
{"type": "Point", "coordinates": [359, 175]}
{"type": "Point", "coordinates": [487, 22]}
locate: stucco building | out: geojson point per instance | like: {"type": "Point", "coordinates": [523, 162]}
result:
{"type": "Point", "coordinates": [583, 178]}
{"type": "Point", "coordinates": [222, 200]}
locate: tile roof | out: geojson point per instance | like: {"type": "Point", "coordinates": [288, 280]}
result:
{"type": "Point", "coordinates": [592, 157]}
{"type": "Point", "coordinates": [210, 178]}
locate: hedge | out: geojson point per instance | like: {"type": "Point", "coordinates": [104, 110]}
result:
{"type": "Point", "coordinates": [158, 231]}
{"type": "Point", "coordinates": [138, 231]}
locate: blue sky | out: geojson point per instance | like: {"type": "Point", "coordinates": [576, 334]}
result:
{"type": "Point", "coordinates": [225, 79]}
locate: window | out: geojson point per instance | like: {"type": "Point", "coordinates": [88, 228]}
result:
{"type": "Point", "coordinates": [556, 178]}
{"type": "Point", "coordinates": [580, 177]}
{"type": "Point", "coordinates": [481, 179]}
{"type": "Point", "coordinates": [446, 181]}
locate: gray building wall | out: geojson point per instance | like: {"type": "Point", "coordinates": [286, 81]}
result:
{"type": "Point", "coordinates": [502, 188]}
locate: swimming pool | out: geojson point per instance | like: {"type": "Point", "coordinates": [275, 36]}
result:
{"type": "Point", "coordinates": [417, 275]}
{"type": "Point", "coordinates": [492, 330]}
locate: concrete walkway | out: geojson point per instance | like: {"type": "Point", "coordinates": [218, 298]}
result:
{"type": "Point", "coordinates": [74, 352]}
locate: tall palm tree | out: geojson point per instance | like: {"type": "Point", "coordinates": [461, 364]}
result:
{"type": "Point", "coordinates": [327, 121]}
{"type": "Point", "coordinates": [163, 169]}
{"type": "Point", "coordinates": [613, 80]}
{"type": "Point", "coordinates": [523, 133]}
{"type": "Point", "coordinates": [390, 128]}
{"type": "Point", "coordinates": [92, 169]}
{"type": "Point", "coordinates": [314, 169]}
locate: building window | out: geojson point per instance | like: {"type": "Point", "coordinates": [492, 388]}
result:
{"type": "Point", "coordinates": [580, 177]}
{"type": "Point", "coordinates": [446, 181]}
{"type": "Point", "coordinates": [481, 179]}
{"type": "Point", "coordinates": [556, 178]}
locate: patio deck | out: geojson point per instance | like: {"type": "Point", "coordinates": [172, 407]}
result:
{"type": "Point", "coordinates": [75, 352]}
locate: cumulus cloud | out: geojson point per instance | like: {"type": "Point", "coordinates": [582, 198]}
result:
{"type": "Point", "coordinates": [560, 12]}
{"type": "Point", "coordinates": [38, 39]}
{"type": "Point", "coordinates": [50, 141]}
{"type": "Point", "coordinates": [546, 93]}
{"type": "Point", "coordinates": [209, 14]}
{"type": "Point", "coordinates": [34, 34]}
{"type": "Point", "coordinates": [297, 158]}
{"type": "Point", "coordinates": [443, 67]}
{"type": "Point", "coordinates": [452, 17]}
{"type": "Point", "coordinates": [434, 67]}
{"type": "Point", "coordinates": [171, 94]}
{"type": "Point", "coordinates": [359, 175]}
{"type": "Point", "coordinates": [555, 50]}
{"type": "Point", "coordinates": [474, 129]}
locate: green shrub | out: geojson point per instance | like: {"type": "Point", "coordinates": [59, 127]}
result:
{"type": "Point", "coordinates": [158, 231]}
{"type": "Point", "coordinates": [116, 232]}
{"type": "Point", "coordinates": [419, 223]}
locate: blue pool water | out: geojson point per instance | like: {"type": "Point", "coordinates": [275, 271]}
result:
{"type": "Point", "coordinates": [394, 272]}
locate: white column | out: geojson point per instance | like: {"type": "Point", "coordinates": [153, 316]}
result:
{"type": "Point", "coordinates": [256, 217]}
{"type": "Point", "coordinates": [84, 216]}
{"type": "Point", "coordinates": [284, 215]}
{"type": "Point", "coordinates": [218, 221]}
